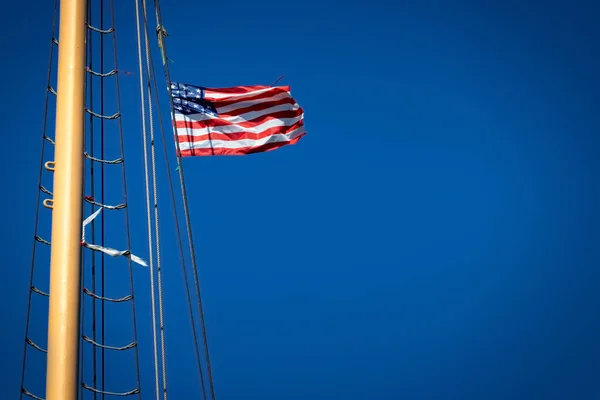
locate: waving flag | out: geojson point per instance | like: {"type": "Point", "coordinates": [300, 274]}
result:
{"type": "Point", "coordinates": [235, 121]}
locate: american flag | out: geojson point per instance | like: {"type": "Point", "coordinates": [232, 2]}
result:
{"type": "Point", "coordinates": [235, 121]}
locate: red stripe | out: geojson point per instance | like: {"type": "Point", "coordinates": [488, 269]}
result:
{"type": "Point", "coordinates": [241, 89]}
{"type": "Point", "coordinates": [189, 123]}
{"type": "Point", "coordinates": [239, 151]}
{"type": "Point", "coordinates": [227, 101]}
{"type": "Point", "coordinates": [232, 137]}
{"type": "Point", "coordinates": [256, 107]}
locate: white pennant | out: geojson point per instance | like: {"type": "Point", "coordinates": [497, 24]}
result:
{"type": "Point", "coordinates": [108, 250]}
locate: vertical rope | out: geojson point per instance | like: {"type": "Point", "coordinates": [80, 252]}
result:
{"type": "Point", "coordinates": [186, 209]}
{"type": "Point", "coordinates": [155, 196]}
{"type": "Point", "coordinates": [123, 172]}
{"type": "Point", "coordinates": [147, 186]}
{"type": "Point", "coordinates": [90, 90]}
{"type": "Point", "coordinates": [178, 231]}
{"type": "Point", "coordinates": [102, 221]}
{"type": "Point", "coordinates": [83, 258]}
{"type": "Point", "coordinates": [37, 202]}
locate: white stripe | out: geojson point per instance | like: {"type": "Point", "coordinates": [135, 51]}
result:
{"type": "Point", "coordinates": [235, 144]}
{"type": "Point", "coordinates": [249, 103]}
{"type": "Point", "coordinates": [214, 95]}
{"type": "Point", "coordinates": [228, 129]}
{"type": "Point", "coordinates": [239, 118]}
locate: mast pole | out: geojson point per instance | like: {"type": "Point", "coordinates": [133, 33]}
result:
{"type": "Point", "coordinates": [65, 265]}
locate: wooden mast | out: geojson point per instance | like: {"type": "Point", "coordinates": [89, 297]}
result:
{"type": "Point", "coordinates": [65, 266]}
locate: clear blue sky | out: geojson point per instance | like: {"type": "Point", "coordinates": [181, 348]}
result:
{"type": "Point", "coordinates": [434, 236]}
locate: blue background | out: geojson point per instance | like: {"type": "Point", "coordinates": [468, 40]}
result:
{"type": "Point", "coordinates": [434, 236]}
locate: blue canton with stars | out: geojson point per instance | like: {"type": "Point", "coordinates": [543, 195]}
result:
{"type": "Point", "coordinates": [189, 99]}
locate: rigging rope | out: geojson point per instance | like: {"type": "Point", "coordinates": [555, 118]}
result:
{"type": "Point", "coordinates": [123, 175]}
{"type": "Point", "coordinates": [102, 180]}
{"type": "Point", "coordinates": [176, 219]}
{"type": "Point", "coordinates": [155, 196]}
{"type": "Point", "coordinates": [101, 345]}
{"type": "Point", "coordinates": [32, 288]}
{"type": "Point", "coordinates": [161, 32]}
{"type": "Point", "coordinates": [90, 92]}
{"type": "Point", "coordinates": [147, 188]}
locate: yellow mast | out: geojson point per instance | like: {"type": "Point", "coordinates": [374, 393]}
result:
{"type": "Point", "coordinates": [65, 268]}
